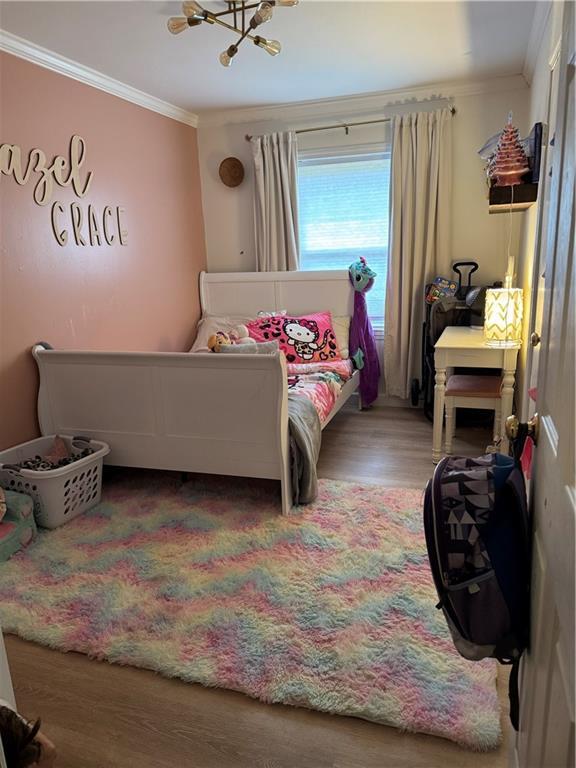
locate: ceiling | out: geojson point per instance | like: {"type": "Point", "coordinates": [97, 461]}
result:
{"type": "Point", "coordinates": [329, 49]}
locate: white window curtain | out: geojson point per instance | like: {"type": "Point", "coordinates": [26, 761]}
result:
{"type": "Point", "coordinates": [420, 235]}
{"type": "Point", "coordinates": [276, 201]}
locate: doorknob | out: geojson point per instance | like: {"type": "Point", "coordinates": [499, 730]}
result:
{"type": "Point", "coordinates": [535, 339]}
{"type": "Point", "coordinates": [513, 426]}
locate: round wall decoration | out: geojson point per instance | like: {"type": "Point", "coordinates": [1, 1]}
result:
{"type": "Point", "coordinates": [231, 172]}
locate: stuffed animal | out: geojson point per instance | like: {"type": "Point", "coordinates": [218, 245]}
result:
{"type": "Point", "coordinates": [362, 342]}
{"type": "Point", "coordinates": [218, 340]}
{"type": "Point", "coordinates": [239, 335]}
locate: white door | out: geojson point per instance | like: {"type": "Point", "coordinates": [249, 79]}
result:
{"type": "Point", "coordinates": [546, 736]}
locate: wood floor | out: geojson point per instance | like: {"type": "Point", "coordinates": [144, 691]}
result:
{"type": "Point", "coordinates": [105, 716]}
{"type": "Point", "coordinates": [389, 446]}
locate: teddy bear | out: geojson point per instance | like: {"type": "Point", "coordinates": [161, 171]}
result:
{"type": "Point", "coordinates": [218, 340]}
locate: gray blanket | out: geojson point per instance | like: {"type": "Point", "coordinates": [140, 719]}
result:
{"type": "Point", "coordinates": [305, 439]}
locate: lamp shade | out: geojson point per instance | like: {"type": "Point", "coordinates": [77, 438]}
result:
{"type": "Point", "coordinates": [503, 317]}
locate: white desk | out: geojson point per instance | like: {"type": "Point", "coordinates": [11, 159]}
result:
{"type": "Point", "coordinates": [462, 347]}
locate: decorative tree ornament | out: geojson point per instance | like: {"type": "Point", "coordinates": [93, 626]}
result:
{"type": "Point", "coordinates": [509, 162]}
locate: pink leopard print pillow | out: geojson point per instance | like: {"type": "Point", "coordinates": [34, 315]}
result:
{"type": "Point", "coordinates": [309, 339]}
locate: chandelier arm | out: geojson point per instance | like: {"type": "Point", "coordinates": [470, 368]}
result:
{"type": "Point", "coordinates": [247, 7]}
{"type": "Point", "coordinates": [234, 29]}
{"type": "Point", "coordinates": [242, 37]}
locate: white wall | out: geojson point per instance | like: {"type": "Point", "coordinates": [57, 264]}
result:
{"type": "Point", "coordinates": [482, 109]}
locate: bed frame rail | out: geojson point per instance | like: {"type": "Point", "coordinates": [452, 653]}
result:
{"type": "Point", "coordinates": [219, 414]}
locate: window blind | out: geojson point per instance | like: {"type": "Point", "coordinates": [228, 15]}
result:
{"type": "Point", "coordinates": [344, 214]}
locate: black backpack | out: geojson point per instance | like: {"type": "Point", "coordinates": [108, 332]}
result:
{"type": "Point", "coordinates": [478, 539]}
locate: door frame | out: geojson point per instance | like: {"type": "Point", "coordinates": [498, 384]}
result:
{"type": "Point", "coordinates": [535, 314]}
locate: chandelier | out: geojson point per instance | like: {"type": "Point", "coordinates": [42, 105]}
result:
{"type": "Point", "coordinates": [245, 27]}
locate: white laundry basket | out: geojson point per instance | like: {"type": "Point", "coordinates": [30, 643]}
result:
{"type": "Point", "coordinates": [59, 494]}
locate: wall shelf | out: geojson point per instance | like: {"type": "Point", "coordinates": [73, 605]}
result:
{"type": "Point", "coordinates": [522, 195]}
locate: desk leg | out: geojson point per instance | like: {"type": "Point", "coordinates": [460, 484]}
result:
{"type": "Point", "coordinates": [439, 390]}
{"type": "Point", "coordinates": [507, 404]}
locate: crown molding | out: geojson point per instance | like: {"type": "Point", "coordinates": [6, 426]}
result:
{"type": "Point", "coordinates": [24, 49]}
{"type": "Point", "coordinates": [539, 22]}
{"type": "Point", "coordinates": [362, 103]}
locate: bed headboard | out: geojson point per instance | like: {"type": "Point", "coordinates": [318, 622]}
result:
{"type": "Point", "coordinates": [246, 293]}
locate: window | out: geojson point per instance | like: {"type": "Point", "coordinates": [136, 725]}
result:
{"type": "Point", "coordinates": [343, 214]}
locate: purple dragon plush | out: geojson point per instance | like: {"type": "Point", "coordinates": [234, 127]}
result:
{"type": "Point", "coordinates": [362, 343]}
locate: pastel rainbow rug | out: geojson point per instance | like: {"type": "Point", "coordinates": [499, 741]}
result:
{"type": "Point", "coordinates": [331, 609]}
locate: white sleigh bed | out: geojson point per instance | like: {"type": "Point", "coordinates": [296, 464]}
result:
{"type": "Point", "coordinates": [219, 414]}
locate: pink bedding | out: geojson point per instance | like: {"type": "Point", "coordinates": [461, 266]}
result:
{"type": "Point", "coordinates": [302, 339]}
{"type": "Point", "coordinates": [343, 368]}
{"type": "Point", "coordinates": [321, 383]}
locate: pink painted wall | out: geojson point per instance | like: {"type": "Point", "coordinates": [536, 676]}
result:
{"type": "Point", "coordinates": [142, 296]}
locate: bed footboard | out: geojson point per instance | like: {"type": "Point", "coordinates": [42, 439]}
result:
{"type": "Point", "coordinates": [219, 414]}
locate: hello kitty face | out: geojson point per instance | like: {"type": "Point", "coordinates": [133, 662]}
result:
{"type": "Point", "coordinates": [305, 332]}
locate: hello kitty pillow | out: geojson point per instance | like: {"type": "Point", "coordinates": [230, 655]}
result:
{"type": "Point", "coordinates": [309, 339]}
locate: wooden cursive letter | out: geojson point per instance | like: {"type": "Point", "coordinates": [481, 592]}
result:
{"type": "Point", "coordinates": [77, 216]}
{"type": "Point", "coordinates": [11, 165]}
{"type": "Point", "coordinates": [93, 231]}
{"type": "Point", "coordinates": [77, 150]}
{"type": "Point", "coordinates": [60, 235]}
{"type": "Point", "coordinates": [106, 215]}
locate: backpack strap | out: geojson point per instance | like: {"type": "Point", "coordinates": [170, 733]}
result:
{"type": "Point", "coordinates": [517, 443]}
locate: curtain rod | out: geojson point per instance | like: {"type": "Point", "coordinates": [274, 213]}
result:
{"type": "Point", "coordinates": [346, 126]}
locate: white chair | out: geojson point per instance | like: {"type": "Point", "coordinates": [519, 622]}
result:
{"type": "Point", "coordinates": [469, 391]}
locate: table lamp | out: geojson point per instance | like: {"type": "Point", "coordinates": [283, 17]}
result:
{"type": "Point", "coordinates": [503, 317]}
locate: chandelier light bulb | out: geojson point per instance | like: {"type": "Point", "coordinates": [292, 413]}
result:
{"type": "Point", "coordinates": [273, 47]}
{"type": "Point", "coordinates": [263, 14]}
{"type": "Point", "coordinates": [177, 24]}
{"type": "Point", "coordinates": [227, 55]}
{"type": "Point", "coordinates": [193, 10]}
{"type": "Point", "coordinates": [225, 60]}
